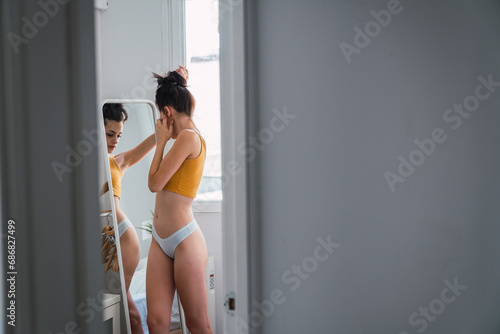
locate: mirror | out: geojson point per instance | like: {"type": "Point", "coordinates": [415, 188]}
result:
{"type": "Point", "coordinates": [130, 207]}
{"type": "Point", "coordinates": [113, 300]}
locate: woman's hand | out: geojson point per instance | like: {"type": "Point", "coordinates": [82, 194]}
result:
{"type": "Point", "coordinates": [183, 71]}
{"type": "Point", "coordinates": [104, 189]}
{"type": "Point", "coordinates": [164, 129]}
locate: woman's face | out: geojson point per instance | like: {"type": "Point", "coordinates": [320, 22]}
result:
{"type": "Point", "coordinates": [114, 131]}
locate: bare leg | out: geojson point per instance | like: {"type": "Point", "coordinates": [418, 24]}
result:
{"type": "Point", "coordinates": [135, 316]}
{"type": "Point", "coordinates": [160, 288]}
{"type": "Point", "coordinates": [189, 270]}
{"type": "Point", "coordinates": [130, 250]}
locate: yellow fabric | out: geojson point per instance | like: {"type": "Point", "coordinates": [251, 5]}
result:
{"type": "Point", "coordinates": [116, 176]}
{"type": "Point", "coordinates": [187, 178]}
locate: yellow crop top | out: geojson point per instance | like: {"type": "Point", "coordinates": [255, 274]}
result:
{"type": "Point", "coordinates": [187, 178]}
{"type": "Point", "coordinates": [116, 176]}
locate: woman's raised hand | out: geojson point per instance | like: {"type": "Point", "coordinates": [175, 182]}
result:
{"type": "Point", "coordinates": [164, 129]}
{"type": "Point", "coordinates": [183, 71]}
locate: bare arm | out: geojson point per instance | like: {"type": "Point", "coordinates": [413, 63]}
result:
{"type": "Point", "coordinates": [162, 169]}
{"type": "Point", "coordinates": [104, 189]}
{"type": "Point", "coordinates": [131, 157]}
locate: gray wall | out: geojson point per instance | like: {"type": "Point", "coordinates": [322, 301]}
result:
{"type": "Point", "coordinates": [323, 174]}
{"type": "Point", "coordinates": [48, 99]}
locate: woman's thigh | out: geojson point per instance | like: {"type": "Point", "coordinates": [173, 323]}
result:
{"type": "Point", "coordinates": [189, 272]}
{"type": "Point", "coordinates": [160, 284]}
{"type": "Point", "coordinates": [130, 250]}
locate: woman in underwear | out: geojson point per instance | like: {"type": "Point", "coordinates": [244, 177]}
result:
{"type": "Point", "coordinates": [178, 253]}
{"type": "Point", "coordinates": [114, 117]}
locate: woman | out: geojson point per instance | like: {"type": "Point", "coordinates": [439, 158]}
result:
{"type": "Point", "coordinates": [178, 253]}
{"type": "Point", "coordinates": [114, 117]}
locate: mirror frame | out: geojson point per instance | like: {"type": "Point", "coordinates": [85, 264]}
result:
{"type": "Point", "coordinates": [104, 156]}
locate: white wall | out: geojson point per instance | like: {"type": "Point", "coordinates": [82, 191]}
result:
{"type": "Point", "coordinates": [323, 174]}
{"type": "Point", "coordinates": [131, 48]}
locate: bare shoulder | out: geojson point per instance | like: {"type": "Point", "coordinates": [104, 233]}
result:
{"type": "Point", "coordinates": [187, 134]}
{"type": "Point", "coordinates": [189, 140]}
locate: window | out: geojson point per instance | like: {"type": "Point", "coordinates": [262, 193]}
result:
{"type": "Point", "coordinates": [202, 55]}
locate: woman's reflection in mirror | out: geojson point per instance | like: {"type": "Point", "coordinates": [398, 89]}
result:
{"type": "Point", "coordinates": [114, 118]}
{"type": "Point", "coordinates": [178, 253]}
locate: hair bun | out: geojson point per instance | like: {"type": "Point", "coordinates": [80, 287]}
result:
{"type": "Point", "coordinates": [172, 78]}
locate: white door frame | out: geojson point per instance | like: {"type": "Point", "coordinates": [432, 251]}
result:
{"type": "Point", "coordinates": [240, 204]}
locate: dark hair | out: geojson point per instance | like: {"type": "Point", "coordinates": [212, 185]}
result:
{"type": "Point", "coordinates": [114, 112]}
{"type": "Point", "coordinates": [172, 92]}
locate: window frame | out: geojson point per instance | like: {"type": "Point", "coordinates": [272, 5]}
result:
{"type": "Point", "coordinates": [174, 51]}
{"type": "Point", "coordinates": [239, 206]}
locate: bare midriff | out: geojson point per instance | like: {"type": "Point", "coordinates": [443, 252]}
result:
{"type": "Point", "coordinates": [120, 215]}
{"type": "Point", "coordinates": [172, 212]}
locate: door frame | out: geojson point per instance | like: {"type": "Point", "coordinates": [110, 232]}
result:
{"type": "Point", "coordinates": [240, 207]}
